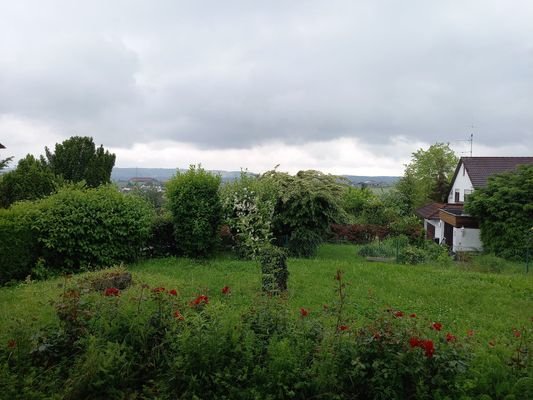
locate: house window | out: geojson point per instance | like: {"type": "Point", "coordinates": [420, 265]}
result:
{"type": "Point", "coordinates": [457, 192]}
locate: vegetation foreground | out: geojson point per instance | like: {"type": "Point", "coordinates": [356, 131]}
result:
{"type": "Point", "coordinates": [346, 328]}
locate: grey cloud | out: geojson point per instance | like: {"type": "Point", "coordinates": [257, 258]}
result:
{"type": "Point", "coordinates": [239, 73]}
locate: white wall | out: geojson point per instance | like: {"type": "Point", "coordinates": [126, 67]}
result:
{"type": "Point", "coordinates": [461, 182]}
{"type": "Point", "coordinates": [466, 239]}
{"type": "Point", "coordinates": [439, 227]}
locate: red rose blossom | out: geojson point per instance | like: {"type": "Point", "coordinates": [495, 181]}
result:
{"type": "Point", "coordinates": [178, 316]}
{"type": "Point", "coordinates": [343, 328]}
{"type": "Point", "coordinates": [398, 314]}
{"type": "Point", "coordinates": [304, 312]}
{"type": "Point", "coordinates": [173, 292]}
{"type": "Point", "coordinates": [429, 348]}
{"type": "Point", "coordinates": [226, 290]}
{"type": "Point", "coordinates": [414, 342]}
{"type": "Point", "coordinates": [437, 326]}
{"type": "Point", "coordinates": [450, 337]}
{"type": "Point", "coordinates": [413, 315]}
{"type": "Point", "coordinates": [112, 291]}
{"type": "Point", "coordinates": [200, 300]}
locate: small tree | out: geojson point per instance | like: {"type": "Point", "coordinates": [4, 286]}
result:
{"type": "Point", "coordinates": [77, 159]}
{"type": "Point", "coordinates": [428, 175]}
{"type": "Point", "coordinates": [504, 210]}
{"type": "Point", "coordinates": [31, 180]}
{"type": "Point", "coordinates": [195, 204]}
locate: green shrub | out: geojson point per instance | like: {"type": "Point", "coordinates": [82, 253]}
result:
{"type": "Point", "coordinates": [18, 244]}
{"type": "Point", "coordinates": [162, 242]}
{"type": "Point", "coordinates": [194, 201]}
{"type": "Point", "coordinates": [274, 271]}
{"type": "Point", "coordinates": [91, 228]}
{"type": "Point", "coordinates": [304, 242]}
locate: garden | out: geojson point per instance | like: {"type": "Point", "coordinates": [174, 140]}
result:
{"type": "Point", "coordinates": [260, 288]}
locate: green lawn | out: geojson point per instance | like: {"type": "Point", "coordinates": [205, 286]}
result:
{"type": "Point", "coordinates": [490, 304]}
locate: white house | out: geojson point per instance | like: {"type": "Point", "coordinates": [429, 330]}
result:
{"type": "Point", "coordinates": [447, 222]}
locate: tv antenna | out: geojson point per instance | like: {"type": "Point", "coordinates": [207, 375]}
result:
{"type": "Point", "coordinates": [470, 140]}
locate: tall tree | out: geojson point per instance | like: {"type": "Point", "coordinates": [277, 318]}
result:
{"type": "Point", "coordinates": [428, 176]}
{"type": "Point", "coordinates": [78, 159]}
{"type": "Point", "coordinates": [31, 180]}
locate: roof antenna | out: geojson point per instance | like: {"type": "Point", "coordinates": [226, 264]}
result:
{"type": "Point", "coordinates": [471, 140]}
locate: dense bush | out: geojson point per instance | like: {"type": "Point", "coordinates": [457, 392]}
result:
{"type": "Point", "coordinates": [79, 228]}
{"type": "Point", "coordinates": [248, 206]}
{"type": "Point", "coordinates": [358, 233]}
{"type": "Point", "coordinates": [31, 180]}
{"type": "Point", "coordinates": [18, 244]}
{"type": "Point", "coordinates": [305, 205]}
{"type": "Point", "coordinates": [274, 270]}
{"type": "Point", "coordinates": [162, 242]}
{"type": "Point", "coordinates": [164, 346]}
{"type": "Point", "coordinates": [505, 213]}
{"type": "Point", "coordinates": [194, 201]}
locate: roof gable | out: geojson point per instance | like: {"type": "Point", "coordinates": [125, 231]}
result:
{"type": "Point", "coordinates": [479, 169]}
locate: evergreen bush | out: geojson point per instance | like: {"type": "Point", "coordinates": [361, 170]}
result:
{"type": "Point", "coordinates": [194, 201]}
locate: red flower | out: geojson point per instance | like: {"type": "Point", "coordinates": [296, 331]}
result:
{"type": "Point", "coordinates": [415, 342]}
{"type": "Point", "coordinates": [450, 337]}
{"type": "Point", "coordinates": [173, 292]}
{"type": "Point", "coordinates": [413, 315]}
{"type": "Point", "coordinates": [200, 300]}
{"type": "Point", "coordinates": [398, 314]}
{"type": "Point", "coordinates": [158, 290]}
{"type": "Point", "coordinates": [226, 290]}
{"type": "Point", "coordinates": [178, 316]}
{"type": "Point", "coordinates": [516, 333]}
{"type": "Point", "coordinates": [437, 326]}
{"type": "Point", "coordinates": [112, 291]}
{"type": "Point", "coordinates": [343, 328]}
{"type": "Point", "coordinates": [429, 348]}
{"type": "Point", "coordinates": [304, 312]}
{"type": "Point", "coordinates": [470, 332]}
{"type": "Point", "coordinates": [11, 343]}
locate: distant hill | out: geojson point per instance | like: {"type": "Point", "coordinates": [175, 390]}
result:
{"type": "Point", "coordinates": [164, 174]}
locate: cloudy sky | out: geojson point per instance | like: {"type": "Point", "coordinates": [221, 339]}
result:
{"type": "Point", "coordinates": [341, 86]}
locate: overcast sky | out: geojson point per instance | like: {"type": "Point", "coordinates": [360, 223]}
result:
{"type": "Point", "coordinates": [341, 86]}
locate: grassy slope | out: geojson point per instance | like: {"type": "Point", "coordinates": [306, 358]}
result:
{"type": "Point", "coordinates": [490, 304]}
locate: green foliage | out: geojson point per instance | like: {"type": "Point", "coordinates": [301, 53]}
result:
{"type": "Point", "coordinates": [151, 343]}
{"type": "Point", "coordinates": [77, 159]}
{"type": "Point", "coordinates": [5, 162]}
{"type": "Point", "coordinates": [428, 176]}
{"type": "Point", "coordinates": [196, 208]}
{"type": "Point", "coordinates": [274, 270]}
{"type": "Point", "coordinates": [355, 200]}
{"type": "Point", "coordinates": [91, 228]}
{"type": "Point", "coordinates": [31, 180]}
{"type": "Point", "coordinates": [248, 205]}
{"type": "Point", "coordinates": [18, 245]}
{"type": "Point", "coordinates": [162, 242]}
{"type": "Point", "coordinates": [505, 213]}
{"type": "Point", "coordinates": [305, 206]}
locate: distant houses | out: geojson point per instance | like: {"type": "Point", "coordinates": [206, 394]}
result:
{"type": "Point", "coordinates": [448, 222]}
{"type": "Point", "coordinates": [141, 183]}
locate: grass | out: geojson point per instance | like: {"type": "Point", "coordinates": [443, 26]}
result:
{"type": "Point", "coordinates": [490, 304]}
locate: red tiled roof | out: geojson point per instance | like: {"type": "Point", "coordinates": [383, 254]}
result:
{"type": "Point", "coordinates": [480, 168]}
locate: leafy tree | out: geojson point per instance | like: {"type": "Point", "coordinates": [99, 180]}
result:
{"type": "Point", "coordinates": [31, 180]}
{"type": "Point", "coordinates": [78, 159]}
{"type": "Point", "coordinates": [505, 212]}
{"type": "Point", "coordinates": [5, 162]}
{"type": "Point", "coordinates": [305, 205]}
{"type": "Point", "coordinates": [194, 201]}
{"type": "Point", "coordinates": [428, 176]}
